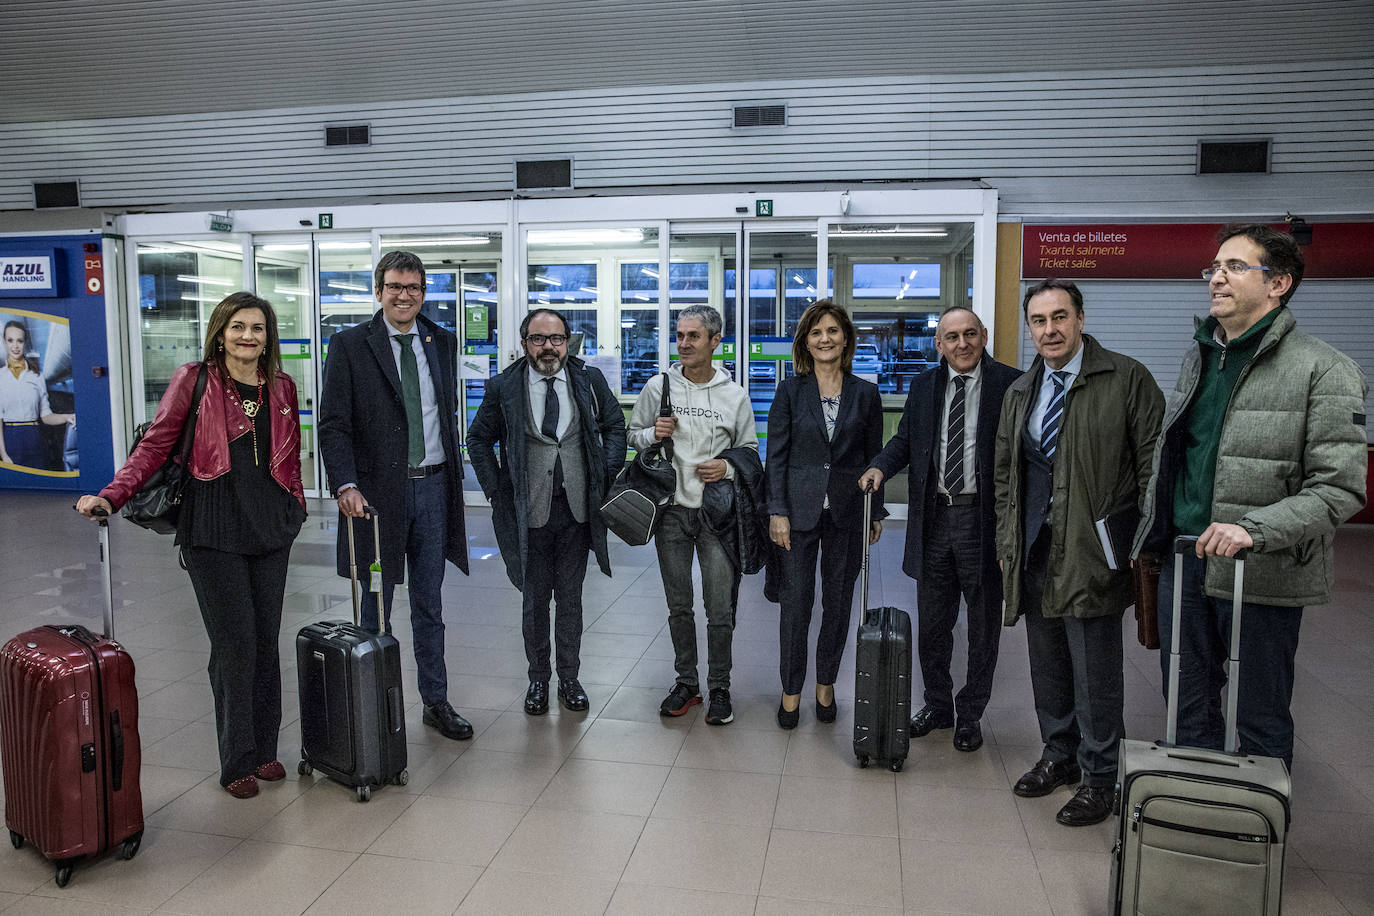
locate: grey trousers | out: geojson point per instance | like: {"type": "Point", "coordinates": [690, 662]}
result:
{"type": "Point", "coordinates": [681, 535]}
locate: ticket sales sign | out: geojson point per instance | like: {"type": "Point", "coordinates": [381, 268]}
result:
{"type": "Point", "coordinates": [1175, 251]}
{"type": "Point", "coordinates": [27, 275]}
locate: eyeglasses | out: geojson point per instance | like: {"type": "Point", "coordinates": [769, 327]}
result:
{"type": "Point", "coordinates": [538, 340]}
{"type": "Point", "coordinates": [398, 288]}
{"type": "Point", "coordinates": [1235, 268]}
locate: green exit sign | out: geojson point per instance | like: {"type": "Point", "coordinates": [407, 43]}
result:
{"type": "Point", "coordinates": [221, 222]}
{"type": "Point", "coordinates": [763, 208]}
{"type": "Point", "coordinates": [326, 221]}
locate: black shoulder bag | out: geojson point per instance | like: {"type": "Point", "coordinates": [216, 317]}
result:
{"type": "Point", "coordinates": [644, 488]}
{"type": "Point", "coordinates": [157, 504]}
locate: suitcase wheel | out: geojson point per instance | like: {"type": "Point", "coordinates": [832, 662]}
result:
{"type": "Point", "coordinates": [64, 875]}
{"type": "Point", "coordinates": [364, 793]}
{"type": "Point", "coordinates": [863, 761]}
{"type": "Point", "coordinates": [129, 848]}
{"type": "Point", "coordinates": [896, 765]}
{"type": "Point", "coordinates": [304, 768]}
{"type": "Point", "coordinates": [402, 778]}
{"type": "Point", "coordinates": [16, 840]}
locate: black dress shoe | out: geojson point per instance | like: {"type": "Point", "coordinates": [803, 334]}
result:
{"type": "Point", "coordinates": [1045, 777]}
{"type": "Point", "coordinates": [826, 713]}
{"type": "Point", "coordinates": [929, 719]}
{"type": "Point", "coordinates": [968, 735]}
{"type": "Point", "coordinates": [537, 698]}
{"type": "Point", "coordinates": [446, 719]}
{"type": "Point", "coordinates": [572, 695]}
{"type": "Point", "coordinates": [788, 720]}
{"type": "Point", "coordinates": [1089, 805]}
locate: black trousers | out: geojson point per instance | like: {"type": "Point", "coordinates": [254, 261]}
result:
{"type": "Point", "coordinates": [953, 565]}
{"type": "Point", "coordinates": [555, 565]}
{"type": "Point", "coordinates": [840, 551]}
{"type": "Point", "coordinates": [1076, 675]}
{"type": "Point", "coordinates": [240, 598]}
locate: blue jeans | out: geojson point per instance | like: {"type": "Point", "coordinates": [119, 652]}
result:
{"type": "Point", "coordinates": [1268, 646]}
{"type": "Point", "coordinates": [679, 536]}
{"type": "Point", "coordinates": [425, 533]}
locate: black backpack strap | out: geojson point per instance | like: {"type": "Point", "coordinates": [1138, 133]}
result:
{"type": "Point", "coordinates": [188, 429]}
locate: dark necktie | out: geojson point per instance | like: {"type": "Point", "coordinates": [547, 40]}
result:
{"type": "Point", "coordinates": [954, 440]}
{"type": "Point", "coordinates": [410, 391]}
{"type": "Point", "coordinates": [1054, 415]}
{"type": "Point", "coordinates": [550, 428]}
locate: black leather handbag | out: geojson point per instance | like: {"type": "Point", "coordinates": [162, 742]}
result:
{"type": "Point", "coordinates": [157, 504]}
{"type": "Point", "coordinates": [643, 489]}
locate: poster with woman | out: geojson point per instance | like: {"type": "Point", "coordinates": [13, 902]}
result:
{"type": "Point", "coordinates": [37, 399]}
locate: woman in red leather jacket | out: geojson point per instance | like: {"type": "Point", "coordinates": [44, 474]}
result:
{"type": "Point", "coordinates": [242, 508]}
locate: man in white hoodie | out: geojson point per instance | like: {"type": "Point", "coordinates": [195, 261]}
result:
{"type": "Point", "coordinates": [711, 414]}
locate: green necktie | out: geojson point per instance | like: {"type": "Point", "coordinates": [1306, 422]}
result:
{"type": "Point", "coordinates": [410, 390]}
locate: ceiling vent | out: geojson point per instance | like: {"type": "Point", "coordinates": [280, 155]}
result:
{"type": "Point", "coordinates": [1223, 157]}
{"type": "Point", "coordinates": [540, 174]}
{"type": "Point", "coordinates": [50, 194]}
{"type": "Point", "coordinates": [347, 135]}
{"type": "Point", "coordinates": [760, 115]}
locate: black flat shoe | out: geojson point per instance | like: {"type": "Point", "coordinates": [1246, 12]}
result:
{"type": "Point", "coordinates": [968, 735]}
{"type": "Point", "coordinates": [788, 720]}
{"type": "Point", "coordinates": [1089, 805]}
{"type": "Point", "coordinates": [929, 719]}
{"type": "Point", "coordinates": [573, 697]}
{"type": "Point", "coordinates": [537, 698]}
{"type": "Point", "coordinates": [1045, 777]}
{"type": "Point", "coordinates": [826, 713]}
{"type": "Point", "coordinates": [445, 718]}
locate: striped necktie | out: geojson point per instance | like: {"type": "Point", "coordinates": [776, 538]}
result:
{"type": "Point", "coordinates": [954, 440]}
{"type": "Point", "coordinates": [1054, 416]}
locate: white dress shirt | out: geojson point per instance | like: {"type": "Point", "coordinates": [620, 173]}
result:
{"type": "Point", "coordinates": [539, 394]}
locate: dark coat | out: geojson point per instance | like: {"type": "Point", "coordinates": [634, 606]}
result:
{"type": "Point", "coordinates": [363, 436]}
{"type": "Point", "coordinates": [805, 465]}
{"type": "Point", "coordinates": [732, 509]}
{"type": "Point", "coordinates": [916, 446]}
{"type": "Point", "coordinates": [501, 420]}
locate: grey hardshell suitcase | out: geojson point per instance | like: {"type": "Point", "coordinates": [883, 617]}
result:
{"type": "Point", "coordinates": [353, 726]}
{"type": "Point", "coordinates": [1199, 831]}
{"type": "Point", "coordinates": [882, 676]}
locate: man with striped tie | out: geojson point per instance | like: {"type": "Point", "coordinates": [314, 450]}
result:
{"type": "Point", "coordinates": [1074, 447]}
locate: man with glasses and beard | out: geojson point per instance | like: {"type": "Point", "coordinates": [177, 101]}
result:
{"type": "Point", "coordinates": [562, 438]}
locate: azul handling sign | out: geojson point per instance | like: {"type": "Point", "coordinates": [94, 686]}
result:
{"type": "Point", "coordinates": [30, 275]}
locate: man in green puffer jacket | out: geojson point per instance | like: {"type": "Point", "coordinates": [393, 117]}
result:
{"type": "Point", "coordinates": [1263, 447]}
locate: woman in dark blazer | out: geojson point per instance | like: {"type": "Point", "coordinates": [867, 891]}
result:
{"type": "Point", "coordinates": [825, 427]}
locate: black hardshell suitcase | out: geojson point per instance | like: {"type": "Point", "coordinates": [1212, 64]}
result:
{"type": "Point", "coordinates": [1199, 831]}
{"type": "Point", "coordinates": [352, 713]}
{"type": "Point", "coordinates": [70, 748]}
{"type": "Point", "coordinates": [882, 677]}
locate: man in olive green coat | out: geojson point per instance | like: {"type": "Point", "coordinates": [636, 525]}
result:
{"type": "Point", "coordinates": [1073, 449]}
{"type": "Point", "coordinates": [1264, 448]}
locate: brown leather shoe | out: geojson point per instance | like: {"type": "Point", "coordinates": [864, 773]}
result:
{"type": "Point", "coordinates": [1045, 777]}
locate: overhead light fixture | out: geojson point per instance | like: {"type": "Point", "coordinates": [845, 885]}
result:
{"type": "Point", "coordinates": [356, 287]}
{"type": "Point", "coordinates": [204, 281]}
{"type": "Point", "coordinates": [649, 273]}
{"type": "Point", "coordinates": [291, 291]}
{"type": "Point", "coordinates": [475, 289]}
{"type": "Point", "coordinates": [300, 247]}
{"type": "Point", "coordinates": [486, 298]}
{"type": "Point", "coordinates": [200, 299]}
{"type": "Point", "coordinates": [641, 297]}
{"type": "Point", "coordinates": [345, 246]}
{"type": "Point", "coordinates": [584, 236]}
{"type": "Point", "coordinates": [590, 289]}
{"type": "Point", "coordinates": [890, 232]}
{"type": "Point", "coordinates": [437, 242]}
{"type": "Point", "coordinates": [550, 280]}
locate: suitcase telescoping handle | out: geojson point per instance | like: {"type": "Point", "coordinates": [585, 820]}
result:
{"type": "Point", "coordinates": [102, 520]}
{"type": "Point", "coordinates": [863, 569]}
{"type": "Point", "coordinates": [1188, 544]}
{"type": "Point", "coordinates": [368, 511]}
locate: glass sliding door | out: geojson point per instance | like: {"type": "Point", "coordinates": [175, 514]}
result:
{"type": "Point", "coordinates": [282, 271]}
{"type": "Point", "coordinates": [179, 285]}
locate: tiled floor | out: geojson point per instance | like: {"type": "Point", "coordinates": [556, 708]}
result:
{"type": "Point", "coordinates": [617, 810]}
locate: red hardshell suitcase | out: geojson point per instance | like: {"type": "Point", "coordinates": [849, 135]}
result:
{"type": "Point", "coordinates": [69, 740]}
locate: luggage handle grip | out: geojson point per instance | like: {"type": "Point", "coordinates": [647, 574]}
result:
{"type": "Point", "coordinates": [368, 512]}
{"type": "Point", "coordinates": [117, 751]}
{"type": "Point", "coordinates": [1183, 754]}
{"type": "Point", "coordinates": [1188, 542]}
{"type": "Point", "coordinates": [868, 526]}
